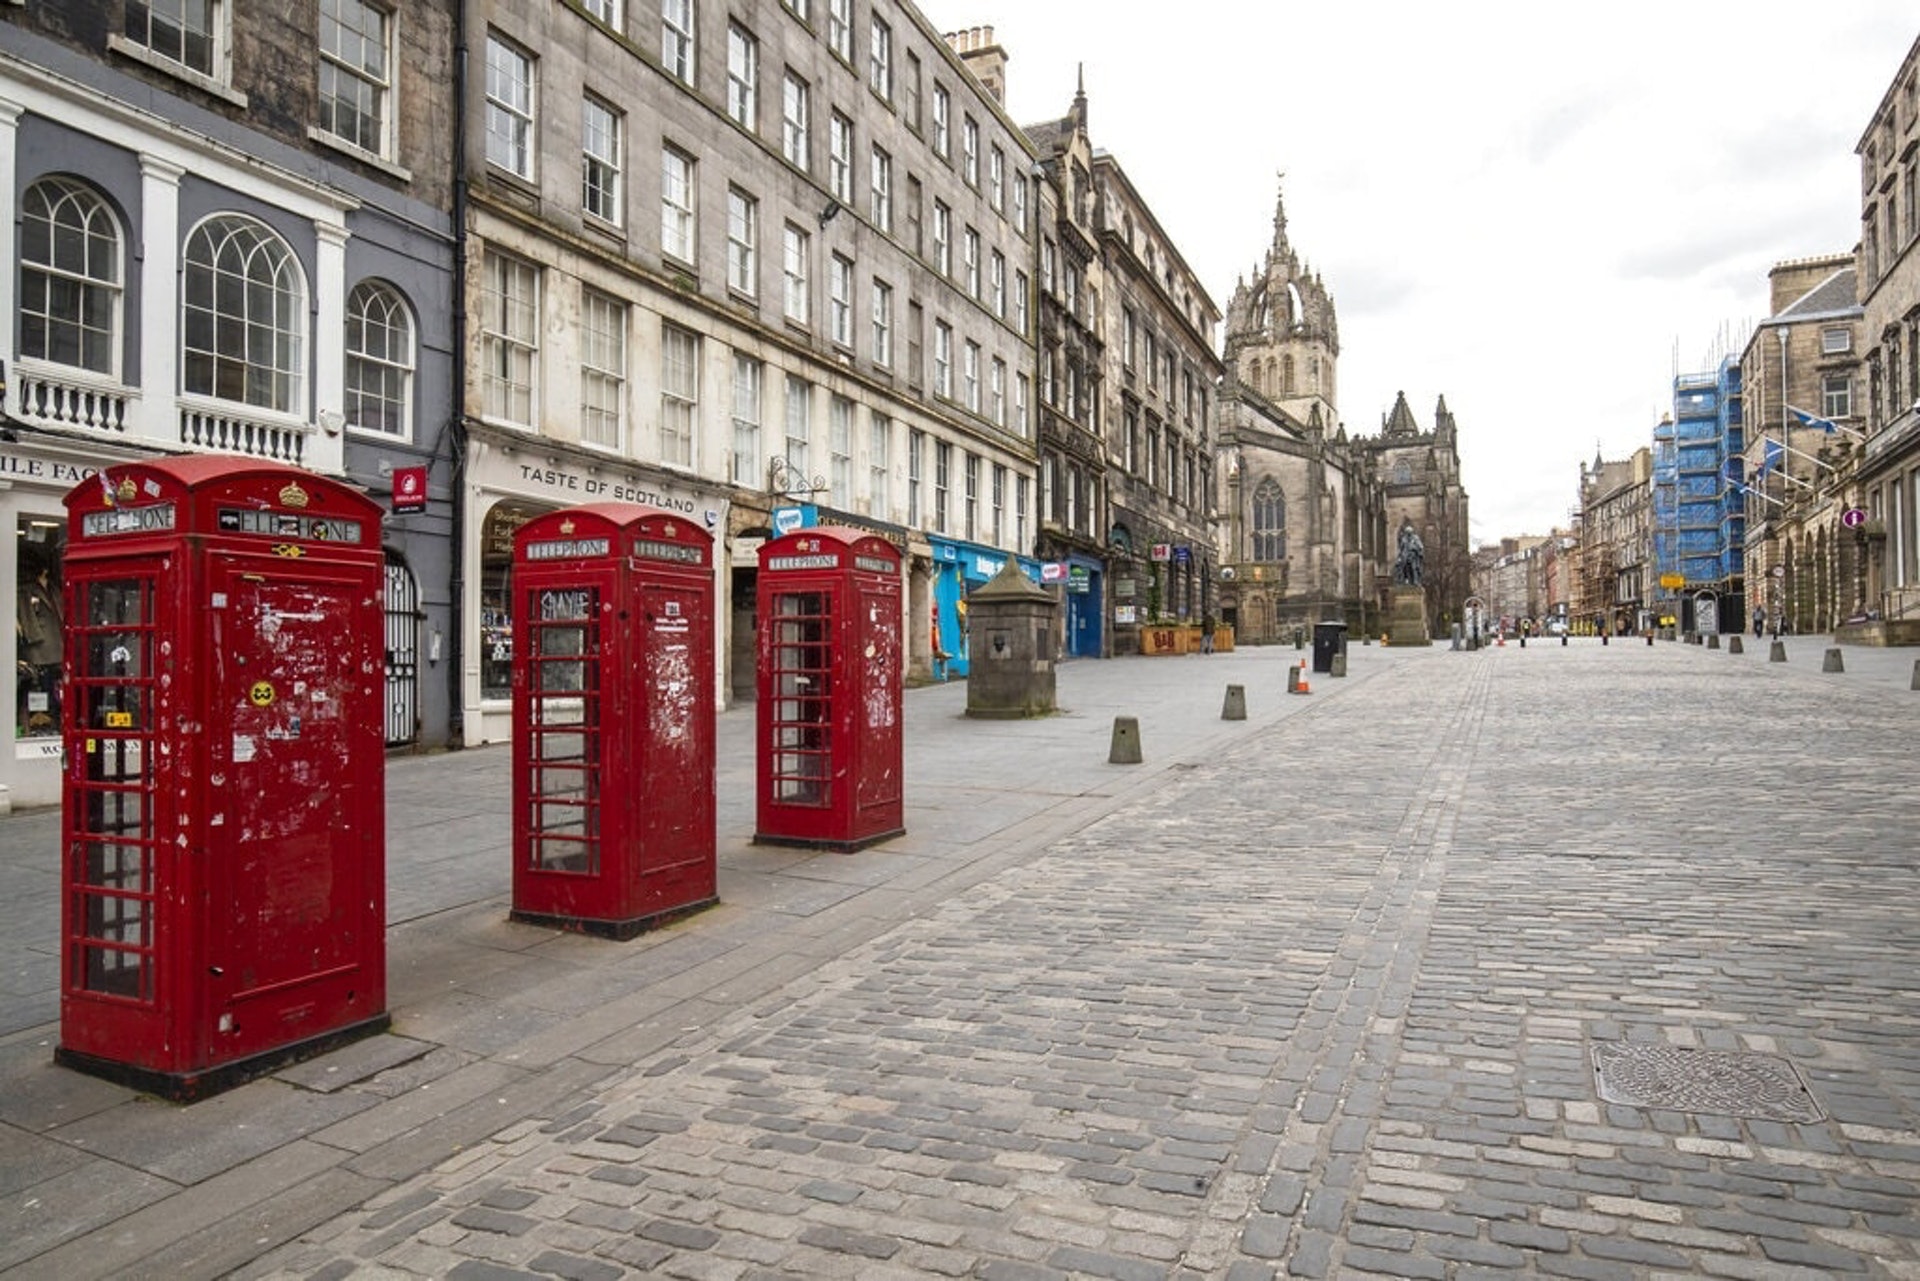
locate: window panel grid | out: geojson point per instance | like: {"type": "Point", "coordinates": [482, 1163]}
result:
{"type": "Point", "coordinates": [801, 712]}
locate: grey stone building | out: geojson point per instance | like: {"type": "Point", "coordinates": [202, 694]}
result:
{"type": "Point", "coordinates": [1804, 569]}
{"type": "Point", "coordinates": [229, 231]}
{"type": "Point", "coordinates": [763, 263]}
{"type": "Point", "coordinates": [1074, 511]}
{"type": "Point", "coordinates": [1886, 484]}
{"type": "Point", "coordinates": [1162, 380]}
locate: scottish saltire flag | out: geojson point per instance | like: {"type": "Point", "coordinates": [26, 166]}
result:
{"type": "Point", "coordinates": [1770, 457]}
{"type": "Point", "coordinates": [1814, 420]}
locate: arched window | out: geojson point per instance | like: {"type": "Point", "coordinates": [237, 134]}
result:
{"type": "Point", "coordinates": [379, 360]}
{"type": "Point", "coordinates": [1286, 376]}
{"type": "Point", "coordinates": [1255, 376]}
{"type": "Point", "coordinates": [243, 313]}
{"type": "Point", "coordinates": [69, 276]}
{"type": "Point", "coordinates": [1269, 522]}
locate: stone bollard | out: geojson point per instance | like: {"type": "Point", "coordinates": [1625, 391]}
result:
{"type": "Point", "coordinates": [1734, 646]}
{"type": "Point", "coordinates": [1235, 708]}
{"type": "Point", "coordinates": [1563, 640]}
{"type": "Point", "coordinates": [1126, 741]}
{"type": "Point", "coordinates": [1713, 641]}
{"type": "Point", "coordinates": [1832, 662]}
{"type": "Point", "coordinates": [1293, 678]}
{"type": "Point", "coordinates": [1337, 665]}
{"type": "Point", "coordinates": [1778, 654]}
{"type": "Point", "coordinates": [1916, 675]}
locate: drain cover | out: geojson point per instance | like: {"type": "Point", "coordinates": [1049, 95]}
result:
{"type": "Point", "coordinates": [1763, 1086]}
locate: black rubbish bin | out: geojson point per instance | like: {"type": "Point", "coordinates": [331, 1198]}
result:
{"type": "Point", "coordinates": [1328, 639]}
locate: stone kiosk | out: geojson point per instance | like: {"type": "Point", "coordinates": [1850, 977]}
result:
{"type": "Point", "coordinates": [1407, 598]}
{"type": "Point", "coordinates": [1011, 625]}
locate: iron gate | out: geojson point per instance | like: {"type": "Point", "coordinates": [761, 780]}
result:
{"type": "Point", "coordinates": [403, 640]}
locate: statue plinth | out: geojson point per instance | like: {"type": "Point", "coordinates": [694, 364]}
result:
{"type": "Point", "coordinates": [1407, 615]}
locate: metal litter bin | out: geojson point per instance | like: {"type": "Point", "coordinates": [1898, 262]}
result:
{"type": "Point", "coordinates": [1328, 639]}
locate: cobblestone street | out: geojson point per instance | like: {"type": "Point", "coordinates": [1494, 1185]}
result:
{"type": "Point", "coordinates": [1325, 998]}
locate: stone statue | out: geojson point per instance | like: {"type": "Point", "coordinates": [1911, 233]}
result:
{"type": "Point", "coordinates": [1410, 567]}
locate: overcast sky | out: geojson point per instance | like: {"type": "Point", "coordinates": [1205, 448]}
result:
{"type": "Point", "coordinates": [1534, 209]}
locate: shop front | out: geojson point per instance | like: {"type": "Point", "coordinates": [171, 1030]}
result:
{"type": "Point", "coordinates": [36, 472]}
{"type": "Point", "coordinates": [957, 569]}
{"type": "Point", "coordinates": [510, 482]}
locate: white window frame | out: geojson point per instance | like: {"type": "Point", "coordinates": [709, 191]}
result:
{"type": "Point", "coordinates": [970, 376]}
{"type": "Point", "coordinates": [943, 359]}
{"type": "Point", "coordinates": [512, 101]}
{"type": "Point", "coordinates": [882, 320]}
{"type": "Point", "coordinates": [943, 239]}
{"type": "Point", "coordinates": [603, 370]}
{"type": "Point", "coordinates": [942, 113]}
{"type": "Point", "coordinates": [880, 59]}
{"type": "Point", "coordinates": [256, 355]}
{"type": "Point", "coordinates": [796, 253]}
{"type": "Point", "coordinates": [743, 76]}
{"type": "Point", "coordinates": [996, 178]}
{"type": "Point", "coordinates": [679, 226]}
{"type": "Point", "coordinates": [77, 296]}
{"type": "Point", "coordinates": [380, 358]}
{"type": "Point", "coordinates": [997, 283]}
{"type": "Point", "coordinates": [601, 160]}
{"type": "Point", "coordinates": [749, 406]}
{"type": "Point", "coordinates": [799, 423]}
{"type": "Point", "coordinates": [509, 338]}
{"type": "Point", "coordinates": [970, 151]}
{"type": "Point", "coordinates": [840, 158]}
{"type": "Point", "coordinates": [970, 260]}
{"type": "Point", "coordinates": [795, 111]}
{"type": "Point", "coordinates": [997, 392]}
{"type": "Point", "coordinates": [743, 243]}
{"type": "Point", "coordinates": [840, 451]}
{"type": "Point", "coordinates": [363, 61]}
{"type": "Point", "coordinates": [679, 39]}
{"type": "Point", "coordinates": [879, 463]}
{"type": "Point", "coordinates": [840, 29]}
{"type": "Point", "coordinates": [840, 300]}
{"type": "Point", "coordinates": [679, 394]}
{"type": "Point", "coordinates": [881, 179]}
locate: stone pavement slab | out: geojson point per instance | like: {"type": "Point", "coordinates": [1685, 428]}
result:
{"type": "Point", "coordinates": [1315, 994]}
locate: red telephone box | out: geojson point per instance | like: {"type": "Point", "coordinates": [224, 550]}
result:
{"type": "Point", "coordinates": [613, 800]}
{"type": "Point", "coordinates": [830, 772]}
{"type": "Point", "coordinates": [224, 876]}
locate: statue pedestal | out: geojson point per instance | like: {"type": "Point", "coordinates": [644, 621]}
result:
{"type": "Point", "coordinates": [1407, 616]}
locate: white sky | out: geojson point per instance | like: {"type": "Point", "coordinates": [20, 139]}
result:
{"type": "Point", "coordinates": [1532, 208]}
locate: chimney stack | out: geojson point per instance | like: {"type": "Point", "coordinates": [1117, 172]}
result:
{"type": "Point", "coordinates": [984, 58]}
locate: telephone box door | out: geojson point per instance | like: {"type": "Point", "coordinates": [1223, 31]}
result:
{"type": "Point", "coordinates": [878, 783]}
{"type": "Point", "coordinates": [676, 746]}
{"type": "Point", "coordinates": [563, 745]}
{"type": "Point", "coordinates": [293, 656]}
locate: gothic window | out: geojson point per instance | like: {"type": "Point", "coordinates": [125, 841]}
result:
{"type": "Point", "coordinates": [1286, 376]}
{"type": "Point", "coordinates": [379, 360]}
{"type": "Point", "coordinates": [1269, 522]}
{"type": "Point", "coordinates": [69, 276]}
{"type": "Point", "coordinates": [243, 315]}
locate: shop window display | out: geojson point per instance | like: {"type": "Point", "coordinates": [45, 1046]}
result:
{"type": "Point", "coordinates": [496, 594]}
{"type": "Point", "coordinates": [39, 634]}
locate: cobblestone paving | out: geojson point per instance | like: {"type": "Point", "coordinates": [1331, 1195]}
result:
{"type": "Point", "coordinates": [1324, 1005]}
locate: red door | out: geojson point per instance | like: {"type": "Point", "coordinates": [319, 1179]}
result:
{"type": "Point", "coordinates": [295, 896]}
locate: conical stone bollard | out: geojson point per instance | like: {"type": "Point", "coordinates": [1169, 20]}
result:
{"type": "Point", "coordinates": [1293, 678]}
{"type": "Point", "coordinates": [1778, 654]}
{"type": "Point", "coordinates": [1734, 646]}
{"type": "Point", "coordinates": [1235, 708]}
{"type": "Point", "coordinates": [1916, 675]}
{"type": "Point", "coordinates": [1833, 662]}
{"type": "Point", "coordinates": [1126, 741]}
{"type": "Point", "coordinates": [1713, 641]}
{"type": "Point", "coordinates": [1337, 665]}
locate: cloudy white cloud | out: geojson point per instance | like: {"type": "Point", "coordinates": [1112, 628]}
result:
{"type": "Point", "coordinates": [1535, 210]}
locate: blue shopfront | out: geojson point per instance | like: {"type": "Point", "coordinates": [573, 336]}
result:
{"type": "Point", "coordinates": [958, 568]}
{"type": "Point", "coordinates": [1086, 592]}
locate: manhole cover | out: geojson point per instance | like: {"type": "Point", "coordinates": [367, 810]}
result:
{"type": "Point", "coordinates": [1764, 1086]}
